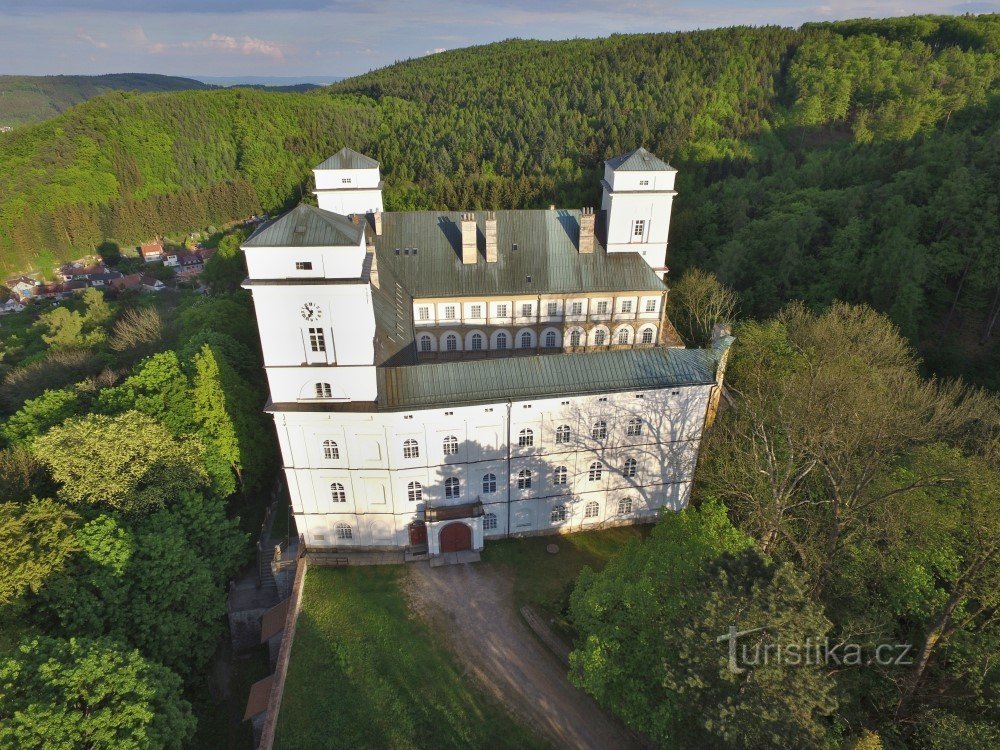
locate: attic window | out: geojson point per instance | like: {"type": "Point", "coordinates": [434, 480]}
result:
{"type": "Point", "coordinates": [397, 251]}
{"type": "Point", "coordinates": [513, 247]}
{"type": "Point", "coordinates": [300, 228]}
{"type": "Point", "coordinates": [528, 279]}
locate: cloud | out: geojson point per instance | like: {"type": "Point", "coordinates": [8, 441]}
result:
{"type": "Point", "coordinates": [246, 45]}
{"type": "Point", "coordinates": [436, 50]}
{"type": "Point", "coordinates": [90, 40]}
{"type": "Point", "coordinates": [136, 35]}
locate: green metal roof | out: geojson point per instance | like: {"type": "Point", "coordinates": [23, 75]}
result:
{"type": "Point", "coordinates": [424, 249]}
{"type": "Point", "coordinates": [639, 160]}
{"type": "Point", "coordinates": [537, 376]}
{"type": "Point", "coordinates": [348, 158]}
{"type": "Point", "coordinates": [307, 226]}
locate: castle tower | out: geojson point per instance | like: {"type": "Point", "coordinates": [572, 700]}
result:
{"type": "Point", "coordinates": [309, 273]}
{"type": "Point", "coordinates": [638, 194]}
{"type": "Point", "coordinates": [349, 183]}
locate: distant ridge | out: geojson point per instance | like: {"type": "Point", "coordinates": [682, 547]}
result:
{"type": "Point", "coordinates": [25, 99]}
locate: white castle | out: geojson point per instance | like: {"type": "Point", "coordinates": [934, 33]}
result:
{"type": "Point", "coordinates": [438, 379]}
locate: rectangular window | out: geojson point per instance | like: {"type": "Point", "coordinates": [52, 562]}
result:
{"type": "Point", "coordinates": [651, 305]}
{"type": "Point", "coordinates": [602, 308]}
{"type": "Point", "coordinates": [626, 306]}
{"type": "Point", "coordinates": [345, 180]}
{"type": "Point", "coordinates": [553, 308]}
{"type": "Point", "coordinates": [501, 311]}
{"type": "Point", "coordinates": [576, 308]}
{"type": "Point", "coordinates": [526, 310]}
{"type": "Point", "coordinates": [476, 311]}
{"type": "Point", "coordinates": [303, 265]}
{"type": "Point", "coordinates": [449, 312]}
{"type": "Point", "coordinates": [643, 182]}
{"type": "Point", "coordinates": [423, 313]}
{"type": "Point", "coordinates": [317, 342]}
{"type": "Point", "coordinates": [639, 228]}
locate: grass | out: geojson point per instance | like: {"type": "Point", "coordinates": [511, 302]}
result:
{"type": "Point", "coordinates": [364, 674]}
{"type": "Point", "coordinates": [544, 580]}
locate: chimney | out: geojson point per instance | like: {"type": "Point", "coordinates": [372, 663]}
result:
{"type": "Point", "coordinates": [470, 244]}
{"type": "Point", "coordinates": [377, 221]}
{"type": "Point", "coordinates": [586, 230]}
{"type": "Point", "coordinates": [491, 237]}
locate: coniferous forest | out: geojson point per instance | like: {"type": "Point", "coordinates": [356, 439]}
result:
{"type": "Point", "coordinates": [853, 160]}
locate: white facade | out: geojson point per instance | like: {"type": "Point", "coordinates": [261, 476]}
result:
{"type": "Point", "coordinates": [530, 463]}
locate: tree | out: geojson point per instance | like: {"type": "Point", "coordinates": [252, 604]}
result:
{"type": "Point", "coordinates": [129, 462]}
{"type": "Point", "coordinates": [98, 312]}
{"type": "Point", "coordinates": [60, 694]}
{"type": "Point", "coordinates": [226, 270]}
{"type": "Point", "coordinates": [158, 585]}
{"type": "Point", "coordinates": [23, 476]}
{"type": "Point", "coordinates": [38, 415]}
{"type": "Point", "coordinates": [623, 612]}
{"type": "Point", "coordinates": [137, 328]}
{"type": "Point", "coordinates": [699, 302]}
{"type": "Point", "coordinates": [36, 537]}
{"type": "Point", "coordinates": [66, 330]}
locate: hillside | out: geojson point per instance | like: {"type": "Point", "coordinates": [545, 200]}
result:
{"type": "Point", "coordinates": [25, 99]}
{"type": "Point", "coordinates": [852, 160]}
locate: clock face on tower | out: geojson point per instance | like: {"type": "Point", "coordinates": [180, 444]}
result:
{"type": "Point", "coordinates": [310, 311]}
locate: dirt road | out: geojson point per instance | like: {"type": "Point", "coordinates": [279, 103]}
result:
{"type": "Point", "coordinates": [473, 605]}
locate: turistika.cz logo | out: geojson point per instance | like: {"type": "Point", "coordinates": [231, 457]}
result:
{"type": "Point", "coordinates": [811, 652]}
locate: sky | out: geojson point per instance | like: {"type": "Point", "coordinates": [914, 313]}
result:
{"type": "Point", "coordinates": [346, 37]}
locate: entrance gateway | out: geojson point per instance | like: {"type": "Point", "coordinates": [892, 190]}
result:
{"type": "Point", "coordinates": [456, 537]}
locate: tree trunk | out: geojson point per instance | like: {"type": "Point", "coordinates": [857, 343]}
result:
{"type": "Point", "coordinates": [991, 321]}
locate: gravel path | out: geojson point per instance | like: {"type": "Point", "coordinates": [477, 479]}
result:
{"type": "Point", "coordinates": [473, 605]}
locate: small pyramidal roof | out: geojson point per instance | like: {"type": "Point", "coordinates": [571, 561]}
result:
{"type": "Point", "coordinates": [348, 158]}
{"type": "Point", "coordinates": [307, 226]}
{"type": "Point", "coordinates": [639, 160]}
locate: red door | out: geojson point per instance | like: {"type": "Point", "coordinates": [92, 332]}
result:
{"type": "Point", "coordinates": [456, 537]}
{"type": "Point", "coordinates": [418, 533]}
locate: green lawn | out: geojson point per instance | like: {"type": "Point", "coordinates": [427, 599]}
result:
{"type": "Point", "coordinates": [364, 674]}
{"type": "Point", "coordinates": [544, 580]}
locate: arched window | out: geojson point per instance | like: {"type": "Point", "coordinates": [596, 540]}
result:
{"type": "Point", "coordinates": [634, 427]}
{"type": "Point", "coordinates": [630, 467]}
{"type": "Point", "coordinates": [501, 340]}
{"type": "Point", "coordinates": [331, 452]}
{"type": "Point", "coordinates": [623, 336]}
{"type": "Point", "coordinates": [344, 531]}
{"type": "Point", "coordinates": [574, 337]}
{"type": "Point", "coordinates": [426, 343]}
{"type": "Point", "coordinates": [414, 492]}
{"type": "Point", "coordinates": [624, 506]}
{"type": "Point", "coordinates": [558, 514]}
{"type": "Point", "coordinates": [337, 493]}
{"type": "Point", "coordinates": [477, 342]}
{"type": "Point", "coordinates": [592, 509]}
{"type": "Point", "coordinates": [451, 342]}
{"type": "Point", "coordinates": [450, 445]}
{"type": "Point", "coordinates": [600, 337]}
{"type": "Point", "coordinates": [550, 339]}
{"type": "Point", "coordinates": [525, 438]}
{"type": "Point", "coordinates": [596, 471]}
{"type": "Point", "coordinates": [647, 335]}
{"type": "Point", "coordinates": [600, 430]}
{"type": "Point", "coordinates": [324, 390]}
{"type": "Point", "coordinates": [526, 342]}
{"type": "Point", "coordinates": [411, 449]}
{"type": "Point", "coordinates": [489, 522]}
{"type": "Point", "coordinates": [489, 484]}
{"type": "Point", "coordinates": [562, 433]}
{"type": "Point", "coordinates": [524, 479]}
{"type": "Point", "coordinates": [452, 488]}
{"type": "Point", "coordinates": [559, 475]}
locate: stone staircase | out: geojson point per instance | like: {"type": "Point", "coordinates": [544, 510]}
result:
{"type": "Point", "coordinates": [265, 575]}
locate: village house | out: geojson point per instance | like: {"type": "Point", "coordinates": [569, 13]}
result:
{"type": "Point", "coordinates": [151, 252]}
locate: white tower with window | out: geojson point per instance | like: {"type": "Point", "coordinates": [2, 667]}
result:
{"type": "Point", "coordinates": [638, 195]}
{"type": "Point", "coordinates": [349, 183]}
{"type": "Point", "coordinates": [309, 276]}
